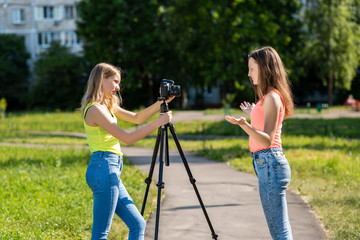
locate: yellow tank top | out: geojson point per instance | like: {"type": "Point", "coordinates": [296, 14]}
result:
{"type": "Point", "coordinates": [99, 139]}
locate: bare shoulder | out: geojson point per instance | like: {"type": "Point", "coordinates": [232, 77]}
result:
{"type": "Point", "coordinates": [93, 114]}
{"type": "Point", "coordinates": [273, 99]}
{"type": "Point", "coordinates": [94, 110]}
{"type": "Point", "coordinates": [274, 95]}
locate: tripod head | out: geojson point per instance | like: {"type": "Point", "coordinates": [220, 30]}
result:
{"type": "Point", "coordinates": [164, 107]}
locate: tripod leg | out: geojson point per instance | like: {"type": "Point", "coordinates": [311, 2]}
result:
{"type": "Point", "coordinates": [152, 166]}
{"type": "Point", "coordinates": [167, 161]}
{"type": "Point", "coordinates": [192, 179]}
{"type": "Point", "coordinates": [160, 183]}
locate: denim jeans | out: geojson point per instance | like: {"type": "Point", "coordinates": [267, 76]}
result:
{"type": "Point", "coordinates": [274, 174]}
{"type": "Point", "coordinates": [111, 196]}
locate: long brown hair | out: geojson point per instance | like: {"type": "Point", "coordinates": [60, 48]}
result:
{"type": "Point", "coordinates": [94, 91]}
{"type": "Point", "coordinates": [272, 75]}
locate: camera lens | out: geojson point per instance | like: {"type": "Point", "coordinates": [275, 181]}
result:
{"type": "Point", "coordinates": [175, 91]}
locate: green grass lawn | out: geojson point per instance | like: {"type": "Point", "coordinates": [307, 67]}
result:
{"type": "Point", "coordinates": [43, 193]}
{"type": "Point", "coordinates": [46, 122]}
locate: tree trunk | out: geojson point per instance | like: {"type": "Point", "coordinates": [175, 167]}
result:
{"type": "Point", "coordinates": [330, 87]}
{"type": "Point", "coordinates": [184, 99]}
{"type": "Point", "coordinates": [331, 76]}
{"type": "Point", "coordinates": [150, 89]}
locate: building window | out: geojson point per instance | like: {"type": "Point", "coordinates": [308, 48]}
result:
{"type": "Point", "coordinates": [58, 13]}
{"type": "Point", "coordinates": [45, 38]}
{"type": "Point", "coordinates": [48, 12]}
{"type": "Point", "coordinates": [71, 39]}
{"type": "Point", "coordinates": [78, 40]}
{"type": "Point", "coordinates": [38, 13]}
{"type": "Point", "coordinates": [68, 39]}
{"type": "Point", "coordinates": [18, 16]}
{"type": "Point", "coordinates": [45, 12]}
{"type": "Point", "coordinates": [70, 12]}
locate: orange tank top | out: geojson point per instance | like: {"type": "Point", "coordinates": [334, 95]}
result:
{"type": "Point", "coordinates": [257, 122]}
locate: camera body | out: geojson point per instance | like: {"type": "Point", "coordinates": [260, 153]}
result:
{"type": "Point", "coordinates": [168, 89]}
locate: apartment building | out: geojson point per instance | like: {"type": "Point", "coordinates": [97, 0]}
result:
{"type": "Point", "coordinates": [41, 22]}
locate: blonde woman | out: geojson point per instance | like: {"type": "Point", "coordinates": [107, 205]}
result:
{"type": "Point", "coordinates": [100, 109]}
{"type": "Point", "coordinates": [274, 103]}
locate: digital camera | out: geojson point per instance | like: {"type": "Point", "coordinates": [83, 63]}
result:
{"type": "Point", "coordinates": [168, 89]}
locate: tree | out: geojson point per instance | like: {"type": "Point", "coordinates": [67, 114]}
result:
{"type": "Point", "coordinates": [333, 42]}
{"type": "Point", "coordinates": [59, 79]}
{"type": "Point", "coordinates": [129, 34]}
{"type": "Point", "coordinates": [355, 86]}
{"type": "Point", "coordinates": [213, 38]}
{"type": "Point", "coordinates": [197, 43]}
{"type": "Point", "coordinates": [14, 71]}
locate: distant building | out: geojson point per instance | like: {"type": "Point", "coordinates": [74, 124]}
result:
{"type": "Point", "coordinates": [41, 22]}
{"type": "Point", "coordinates": [208, 96]}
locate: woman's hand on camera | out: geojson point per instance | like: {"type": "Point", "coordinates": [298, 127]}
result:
{"type": "Point", "coordinates": [164, 118]}
{"type": "Point", "coordinates": [170, 99]}
{"type": "Point", "coordinates": [236, 121]}
{"type": "Point", "coordinates": [247, 107]}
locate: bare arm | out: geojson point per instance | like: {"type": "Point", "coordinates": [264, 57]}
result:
{"type": "Point", "coordinates": [96, 116]}
{"type": "Point", "coordinates": [272, 105]}
{"type": "Point", "coordinates": [140, 117]}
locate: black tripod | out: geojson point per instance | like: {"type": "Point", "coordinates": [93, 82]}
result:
{"type": "Point", "coordinates": [162, 140]}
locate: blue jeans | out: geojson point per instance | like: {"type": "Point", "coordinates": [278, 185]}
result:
{"type": "Point", "coordinates": [274, 174]}
{"type": "Point", "coordinates": [111, 196]}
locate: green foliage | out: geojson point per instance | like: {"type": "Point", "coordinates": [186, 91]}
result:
{"type": "Point", "coordinates": [196, 43]}
{"type": "Point", "coordinates": [213, 38]}
{"type": "Point", "coordinates": [331, 44]}
{"type": "Point", "coordinates": [355, 86]}
{"type": "Point", "coordinates": [60, 80]}
{"type": "Point", "coordinates": [129, 34]}
{"type": "Point", "coordinates": [3, 105]}
{"type": "Point", "coordinates": [14, 71]}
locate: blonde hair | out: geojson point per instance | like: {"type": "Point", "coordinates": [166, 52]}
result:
{"type": "Point", "coordinates": [272, 74]}
{"type": "Point", "coordinates": [94, 91]}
